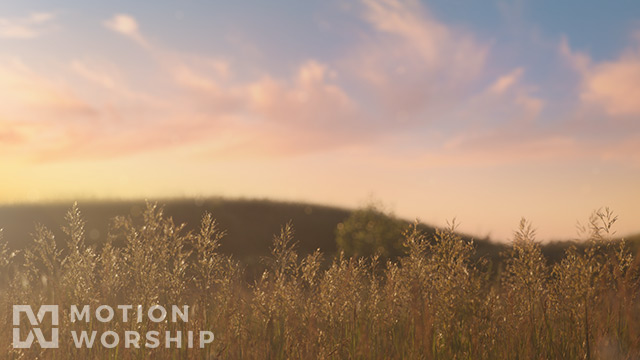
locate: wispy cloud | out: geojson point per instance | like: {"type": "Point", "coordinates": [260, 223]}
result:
{"type": "Point", "coordinates": [412, 61]}
{"type": "Point", "coordinates": [126, 25]}
{"type": "Point", "coordinates": [210, 91]}
{"type": "Point", "coordinates": [504, 82]}
{"type": "Point", "coordinates": [28, 27]}
{"type": "Point", "coordinates": [410, 64]}
{"type": "Point", "coordinates": [434, 42]}
{"type": "Point", "coordinates": [410, 75]}
{"type": "Point", "coordinates": [96, 76]}
{"type": "Point", "coordinates": [21, 88]}
{"type": "Point", "coordinates": [111, 83]}
{"type": "Point", "coordinates": [310, 101]}
{"type": "Point", "coordinates": [11, 134]}
{"type": "Point", "coordinates": [613, 85]}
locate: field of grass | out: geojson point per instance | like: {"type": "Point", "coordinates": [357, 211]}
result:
{"type": "Point", "coordinates": [439, 299]}
{"type": "Point", "coordinates": [249, 224]}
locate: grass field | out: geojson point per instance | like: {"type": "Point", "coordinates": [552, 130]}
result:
{"type": "Point", "coordinates": [444, 297]}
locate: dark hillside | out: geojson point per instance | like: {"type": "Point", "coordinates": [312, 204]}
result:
{"type": "Point", "coordinates": [250, 224]}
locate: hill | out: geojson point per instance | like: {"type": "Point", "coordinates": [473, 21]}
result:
{"type": "Point", "coordinates": [250, 224]}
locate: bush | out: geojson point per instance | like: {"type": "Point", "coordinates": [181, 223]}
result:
{"type": "Point", "coordinates": [368, 232]}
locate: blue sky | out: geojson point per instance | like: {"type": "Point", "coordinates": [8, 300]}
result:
{"type": "Point", "coordinates": [484, 111]}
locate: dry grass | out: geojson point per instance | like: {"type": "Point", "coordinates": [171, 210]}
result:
{"type": "Point", "coordinates": [436, 301]}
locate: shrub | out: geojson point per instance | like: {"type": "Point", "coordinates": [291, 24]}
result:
{"type": "Point", "coordinates": [370, 231]}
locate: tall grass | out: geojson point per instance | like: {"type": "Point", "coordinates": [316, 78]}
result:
{"type": "Point", "coordinates": [434, 302]}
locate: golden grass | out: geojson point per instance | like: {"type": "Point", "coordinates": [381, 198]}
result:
{"type": "Point", "coordinates": [435, 302]}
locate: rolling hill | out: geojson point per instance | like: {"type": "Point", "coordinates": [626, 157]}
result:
{"type": "Point", "coordinates": [250, 224]}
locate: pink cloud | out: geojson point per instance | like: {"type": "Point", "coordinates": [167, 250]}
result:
{"type": "Point", "coordinates": [28, 27]}
{"type": "Point", "coordinates": [126, 25]}
{"type": "Point", "coordinates": [437, 45]}
{"type": "Point", "coordinates": [507, 81]}
{"type": "Point", "coordinates": [494, 148]}
{"type": "Point", "coordinates": [24, 89]}
{"type": "Point", "coordinates": [279, 116]}
{"type": "Point", "coordinates": [10, 134]}
{"type": "Point", "coordinates": [307, 111]}
{"type": "Point", "coordinates": [613, 86]}
{"type": "Point", "coordinates": [96, 76]}
{"type": "Point", "coordinates": [413, 62]}
{"type": "Point", "coordinates": [211, 91]}
{"type": "Point", "coordinates": [512, 93]}
{"type": "Point", "coordinates": [506, 105]}
{"type": "Point", "coordinates": [579, 61]}
{"type": "Point", "coordinates": [413, 75]}
{"type": "Point", "coordinates": [27, 139]}
{"type": "Point", "coordinates": [624, 151]}
{"type": "Point", "coordinates": [310, 101]}
{"type": "Point", "coordinates": [284, 116]}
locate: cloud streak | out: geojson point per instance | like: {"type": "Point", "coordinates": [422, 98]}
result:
{"type": "Point", "coordinates": [614, 85]}
{"type": "Point", "coordinates": [411, 76]}
{"type": "Point", "coordinates": [28, 27]}
{"type": "Point", "coordinates": [126, 25]}
{"type": "Point", "coordinates": [413, 62]}
{"type": "Point", "coordinates": [24, 90]}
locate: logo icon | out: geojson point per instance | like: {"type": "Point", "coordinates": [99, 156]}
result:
{"type": "Point", "coordinates": [35, 322]}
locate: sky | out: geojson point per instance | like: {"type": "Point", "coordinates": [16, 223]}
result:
{"type": "Point", "coordinates": [476, 110]}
